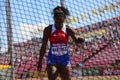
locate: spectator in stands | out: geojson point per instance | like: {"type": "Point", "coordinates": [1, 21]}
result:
{"type": "Point", "coordinates": [58, 62]}
{"type": "Point", "coordinates": [117, 63]}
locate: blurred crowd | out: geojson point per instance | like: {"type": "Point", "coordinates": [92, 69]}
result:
{"type": "Point", "coordinates": [96, 36]}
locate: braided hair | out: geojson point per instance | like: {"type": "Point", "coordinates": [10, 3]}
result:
{"type": "Point", "coordinates": [60, 11]}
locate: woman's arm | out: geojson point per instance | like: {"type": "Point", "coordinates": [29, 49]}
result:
{"type": "Point", "coordinates": [46, 34]}
{"type": "Point", "coordinates": [72, 34]}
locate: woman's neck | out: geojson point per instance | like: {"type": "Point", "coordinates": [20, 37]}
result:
{"type": "Point", "coordinates": [58, 26]}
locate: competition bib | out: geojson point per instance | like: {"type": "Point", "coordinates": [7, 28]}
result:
{"type": "Point", "coordinates": [59, 49]}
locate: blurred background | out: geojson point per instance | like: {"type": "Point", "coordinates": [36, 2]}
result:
{"type": "Point", "coordinates": [21, 29]}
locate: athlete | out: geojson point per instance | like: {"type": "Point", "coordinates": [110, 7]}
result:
{"type": "Point", "coordinates": [58, 61]}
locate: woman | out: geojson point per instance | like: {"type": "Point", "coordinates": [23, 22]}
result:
{"type": "Point", "coordinates": [58, 62]}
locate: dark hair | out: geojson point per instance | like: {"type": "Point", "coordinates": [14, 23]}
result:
{"type": "Point", "coordinates": [61, 11]}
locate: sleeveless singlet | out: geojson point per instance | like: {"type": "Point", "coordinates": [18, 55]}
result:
{"type": "Point", "coordinates": [58, 52]}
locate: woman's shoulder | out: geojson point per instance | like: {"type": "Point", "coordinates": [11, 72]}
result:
{"type": "Point", "coordinates": [67, 26]}
{"type": "Point", "coordinates": [49, 27]}
{"type": "Point", "coordinates": [70, 30]}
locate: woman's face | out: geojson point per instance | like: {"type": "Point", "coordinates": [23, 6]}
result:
{"type": "Point", "coordinates": [59, 20]}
